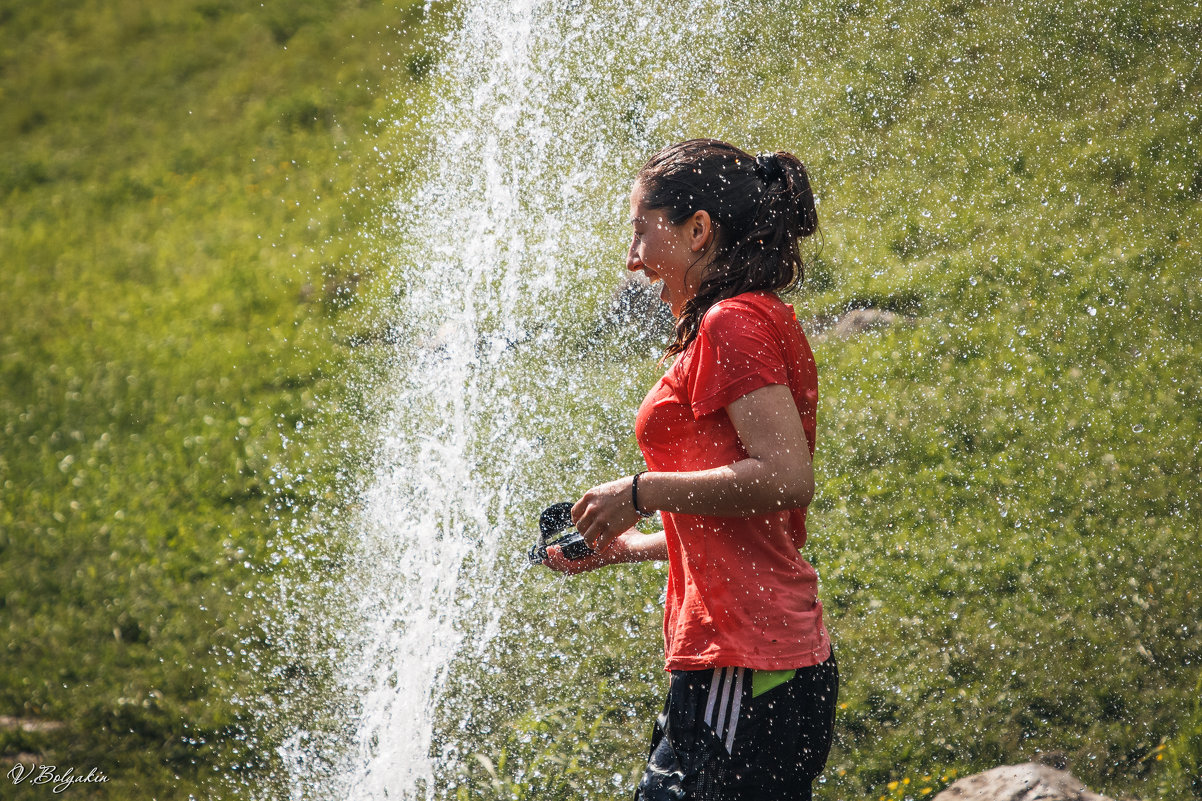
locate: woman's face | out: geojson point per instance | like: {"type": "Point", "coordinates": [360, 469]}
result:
{"type": "Point", "coordinates": [665, 252]}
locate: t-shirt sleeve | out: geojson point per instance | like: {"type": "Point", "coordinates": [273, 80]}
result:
{"type": "Point", "coordinates": [739, 350]}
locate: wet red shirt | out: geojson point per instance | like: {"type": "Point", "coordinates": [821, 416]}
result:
{"type": "Point", "coordinates": [739, 592]}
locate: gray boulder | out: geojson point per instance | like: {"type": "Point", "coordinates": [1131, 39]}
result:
{"type": "Point", "coordinates": [1027, 782]}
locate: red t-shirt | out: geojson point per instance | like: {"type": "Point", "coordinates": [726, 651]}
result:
{"type": "Point", "coordinates": [739, 593]}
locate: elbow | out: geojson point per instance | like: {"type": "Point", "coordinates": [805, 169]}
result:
{"type": "Point", "coordinates": [803, 486]}
{"type": "Point", "coordinates": [792, 487]}
{"type": "Point", "coordinates": [803, 493]}
{"type": "Point", "coordinates": [797, 491]}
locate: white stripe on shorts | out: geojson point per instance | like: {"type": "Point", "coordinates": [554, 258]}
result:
{"type": "Point", "coordinates": [726, 693]}
{"type": "Point", "coordinates": [737, 696]}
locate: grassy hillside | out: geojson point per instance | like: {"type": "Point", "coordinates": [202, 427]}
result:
{"type": "Point", "coordinates": [1009, 475]}
{"type": "Point", "coordinates": [1006, 520]}
{"type": "Point", "coordinates": [1005, 525]}
{"type": "Point", "coordinates": [178, 191]}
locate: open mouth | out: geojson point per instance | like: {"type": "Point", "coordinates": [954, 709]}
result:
{"type": "Point", "coordinates": [653, 279]}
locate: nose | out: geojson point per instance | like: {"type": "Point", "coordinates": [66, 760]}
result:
{"type": "Point", "coordinates": [633, 262]}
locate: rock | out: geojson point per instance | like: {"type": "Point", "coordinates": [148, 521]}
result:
{"type": "Point", "coordinates": [857, 321]}
{"type": "Point", "coordinates": [1026, 782]}
{"type": "Point", "coordinates": [852, 323]}
{"type": "Point", "coordinates": [8, 723]}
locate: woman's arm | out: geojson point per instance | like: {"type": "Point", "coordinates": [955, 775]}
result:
{"type": "Point", "coordinates": [630, 546]}
{"type": "Point", "coordinates": [777, 474]}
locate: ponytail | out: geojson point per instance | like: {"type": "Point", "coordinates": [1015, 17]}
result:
{"type": "Point", "coordinates": [761, 208]}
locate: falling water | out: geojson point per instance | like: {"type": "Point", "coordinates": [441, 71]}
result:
{"type": "Point", "coordinates": [958, 155]}
{"type": "Point", "coordinates": [511, 245]}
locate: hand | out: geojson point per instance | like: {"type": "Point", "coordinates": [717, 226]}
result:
{"type": "Point", "coordinates": [555, 560]}
{"type": "Point", "coordinates": [605, 513]}
{"type": "Point", "coordinates": [631, 546]}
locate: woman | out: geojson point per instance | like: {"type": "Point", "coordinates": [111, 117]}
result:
{"type": "Point", "coordinates": [728, 436]}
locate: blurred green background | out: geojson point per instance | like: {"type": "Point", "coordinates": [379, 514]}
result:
{"type": "Point", "coordinates": [1006, 525]}
{"type": "Point", "coordinates": [184, 187]}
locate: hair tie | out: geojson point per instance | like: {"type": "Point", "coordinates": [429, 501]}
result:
{"type": "Point", "coordinates": [768, 167]}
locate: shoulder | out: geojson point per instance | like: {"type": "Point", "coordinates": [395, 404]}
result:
{"type": "Point", "coordinates": [748, 310]}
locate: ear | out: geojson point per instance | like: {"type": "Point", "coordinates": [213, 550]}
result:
{"type": "Point", "coordinates": [701, 230]}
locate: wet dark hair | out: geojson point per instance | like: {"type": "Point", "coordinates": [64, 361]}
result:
{"type": "Point", "coordinates": [761, 208]}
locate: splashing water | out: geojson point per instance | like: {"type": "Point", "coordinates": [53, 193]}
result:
{"type": "Point", "coordinates": [959, 141]}
{"type": "Point", "coordinates": [514, 238]}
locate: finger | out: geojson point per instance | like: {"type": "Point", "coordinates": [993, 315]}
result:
{"type": "Point", "coordinates": [590, 524]}
{"type": "Point", "coordinates": [603, 535]}
{"type": "Point", "coordinates": [579, 508]}
{"type": "Point", "coordinates": [555, 560]}
{"type": "Point", "coordinates": [604, 541]}
{"type": "Point", "coordinates": [570, 567]}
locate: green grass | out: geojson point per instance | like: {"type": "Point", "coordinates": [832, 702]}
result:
{"type": "Point", "coordinates": [1005, 526]}
{"type": "Point", "coordinates": [182, 186]}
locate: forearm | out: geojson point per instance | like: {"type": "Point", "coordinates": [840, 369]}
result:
{"type": "Point", "coordinates": [777, 474]}
{"type": "Point", "coordinates": [747, 487]}
{"type": "Point", "coordinates": [634, 546]}
{"type": "Point", "coordinates": [630, 546]}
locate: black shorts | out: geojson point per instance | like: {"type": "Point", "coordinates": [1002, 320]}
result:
{"type": "Point", "coordinates": [717, 741]}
